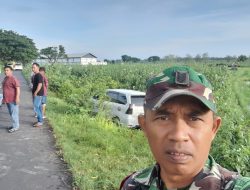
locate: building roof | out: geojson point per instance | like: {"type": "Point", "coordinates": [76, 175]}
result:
{"type": "Point", "coordinates": [128, 91]}
{"type": "Point", "coordinates": [81, 55]}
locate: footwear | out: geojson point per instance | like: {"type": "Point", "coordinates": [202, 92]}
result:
{"type": "Point", "coordinates": [10, 127]}
{"type": "Point", "coordinates": [12, 130]}
{"type": "Point", "coordinates": [38, 124]}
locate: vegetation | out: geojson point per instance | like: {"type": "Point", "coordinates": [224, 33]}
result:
{"type": "Point", "coordinates": [241, 86]}
{"type": "Point", "coordinates": [15, 47]}
{"type": "Point", "coordinates": [242, 58]}
{"type": "Point", "coordinates": [203, 59]}
{"type": "Point", "coordinates": [126, 58]}
{"type": "Point", "coordinates": [53, 53]}
{"type": "Point", "coordinates": [101, 154]}
{"type": "Point", "coordinates": [153, 58]}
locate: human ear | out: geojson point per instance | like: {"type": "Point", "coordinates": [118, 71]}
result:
{"type": "Point", "coordinates": [142, 122]}
{"type": "Point", "coordinates": [216, 125]}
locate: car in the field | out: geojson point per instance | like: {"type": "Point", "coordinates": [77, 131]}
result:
{"type": "Point", "coordinates": [123, 106]}
{"type": "Point", "coordinates": [18, 66]}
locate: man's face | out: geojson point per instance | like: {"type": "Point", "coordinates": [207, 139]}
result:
{"type": "Point", "coordinates": [8, 72]}
{"type": "Point", "coordinates": [35, 68]}
{"type": "Point", "coordinates": [42, 72]}
{"type": "Point", "coordinates": [180, 135]}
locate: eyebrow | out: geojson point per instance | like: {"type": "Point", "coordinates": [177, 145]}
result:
{"type": "Point", "coordinates": [197, 112]}
{"type": "Point", "coordinates": [194, 112]}
{"type": "Point", "coordinates": [162, 112]}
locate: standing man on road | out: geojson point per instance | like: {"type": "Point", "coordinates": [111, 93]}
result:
{"type": "Point", "coordinates": [11, 96]}
{"type": "Point", "coordinates": [180, 123]}
{"type": "Point", "coordinates": [45, 87]}
{"type": "Point", "coordinates": [37, 92]}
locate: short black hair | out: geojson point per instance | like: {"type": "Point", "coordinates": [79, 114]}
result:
{"type": "Point", "coordinates": [42, 69]}
{"type": "Point", "coordinates": [8, 66]}
{"type": "Point", "coordinates": [36, 64]}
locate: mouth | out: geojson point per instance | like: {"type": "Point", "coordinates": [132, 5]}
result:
{"type": "Point", "coordinates": [178, 157]}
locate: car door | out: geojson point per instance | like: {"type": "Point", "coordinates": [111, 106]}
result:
{"type": "Point", "coordinates": [111, 105]}
{"type": "Point", "coordinates": [122, 107]}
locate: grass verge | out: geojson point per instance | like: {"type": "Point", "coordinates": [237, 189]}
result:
{"type": "Point", "coordinates": [99, 153]}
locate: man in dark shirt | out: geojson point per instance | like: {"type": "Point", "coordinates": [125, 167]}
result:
{"type": "Point", "coordinates": [11, 96]}
{"type": "Point", "coordinates": [45, 87]}
{"type": "Point", "coordinates": [37, 92]}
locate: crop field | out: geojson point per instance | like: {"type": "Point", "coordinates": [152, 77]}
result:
{"type": "Point", "coordinates": [100, 154]}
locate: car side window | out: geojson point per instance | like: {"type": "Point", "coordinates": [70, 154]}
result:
{"type": "Point", "coordinates": [113, 96]}
{"type": "Point", "coordinates": [122, 99]}
{"type": "Point", "coordinates": [117, 97]}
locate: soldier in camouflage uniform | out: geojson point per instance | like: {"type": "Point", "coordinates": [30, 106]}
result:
{"type": "Point", "coordinates": [180, 123]}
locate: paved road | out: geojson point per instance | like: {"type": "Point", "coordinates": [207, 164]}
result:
{"type": "Point", "coordinates": [28, 159]}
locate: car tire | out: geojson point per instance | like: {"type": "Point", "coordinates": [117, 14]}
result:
{"type": "Point", "coordinates": [116, 121]}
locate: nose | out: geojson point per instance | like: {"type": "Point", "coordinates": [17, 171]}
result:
{"type": "Point", "coordinates": [179, 131]}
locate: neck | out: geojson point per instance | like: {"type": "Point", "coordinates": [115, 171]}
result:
{"type": "Point", "coordinates": [174, 181]}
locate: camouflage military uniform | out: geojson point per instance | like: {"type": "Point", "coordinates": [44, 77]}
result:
{"type": "Point", "coordinates": [212, 177]}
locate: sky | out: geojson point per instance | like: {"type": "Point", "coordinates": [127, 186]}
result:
{"type": "Point", "coordinates": [138, 28]}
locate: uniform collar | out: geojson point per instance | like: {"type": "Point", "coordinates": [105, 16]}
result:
{"type": "Point", "coordinates": [210, 177]}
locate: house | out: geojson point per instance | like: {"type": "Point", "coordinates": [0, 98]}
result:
{"type": "Point", "coordinates": [83, 59]}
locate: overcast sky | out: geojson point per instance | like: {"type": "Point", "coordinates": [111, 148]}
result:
{"type": "Point", "coordinates": [138, 28]}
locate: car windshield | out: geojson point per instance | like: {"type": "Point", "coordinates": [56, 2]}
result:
{"type": "Point", "coordinates": [137, 100]}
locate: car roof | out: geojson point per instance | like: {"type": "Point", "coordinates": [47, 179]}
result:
{"type": "Point", "coordinates": [128, 91]}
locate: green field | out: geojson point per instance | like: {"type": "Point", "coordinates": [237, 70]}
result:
{"type": "Point", "coordinates": [242, 88]}
{"type": "Point", "coordinates": [100, 154]}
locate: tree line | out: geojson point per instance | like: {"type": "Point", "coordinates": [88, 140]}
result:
{"type": "Point", "coordinates": [171, 57]}
{"type": "Point", "coordinates": [20, 48]}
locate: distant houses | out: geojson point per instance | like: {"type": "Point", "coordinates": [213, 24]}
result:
{"type": "Point", "coordinates": [82, 59]}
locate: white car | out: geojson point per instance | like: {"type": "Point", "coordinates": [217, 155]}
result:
{"type": "Point", "coordinates": [123, 106]}
{"type": "Point", "coordinates": [18, 66]}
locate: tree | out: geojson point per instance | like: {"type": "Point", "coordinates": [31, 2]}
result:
{"type": "Point", "coordinates": [197, 58]}
{"type": "Point", "coordinates": [170, 57]}
{"type": "Point", "coordinates": [62, 53]}
{"type": "Point", "coordinates": [242, 58]}
{"type": "Point", "coordinates": [229, 58]}
{"type": "Point", "coordinates": [188, 57]}
{"type": "Point", "coordinates": [154, 58]}
{"type": "Point", "coordinates": [126, 58]}
{"type": "Point", "coordinates": [135, 59]}
{"type": "Point", "coordinates": [109, 61]}
{"type": "Point", "coordinates": [205, 56]}
{"type": "Point", "coordinates": [17, 48]}
{"type": "Point", "coordinates": [53, 53]}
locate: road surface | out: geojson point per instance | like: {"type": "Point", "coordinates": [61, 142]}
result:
{"type": "Point", "coordinates": [28, 159]}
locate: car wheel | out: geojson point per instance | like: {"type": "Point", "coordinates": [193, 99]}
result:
{"type": "Point", "coordinates": [116, 120]}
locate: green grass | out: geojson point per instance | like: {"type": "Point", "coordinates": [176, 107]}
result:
{"type": "Point", "coordinates": [242, 88]}
{"type": "Point", "coordinates": [99, 153]}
